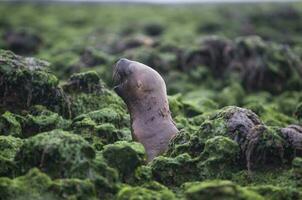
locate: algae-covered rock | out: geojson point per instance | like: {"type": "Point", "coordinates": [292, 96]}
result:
{"type": "Point", "coordinates": [153, 191]}
{"type": "Point", "coordinates": [73, 189]}
{"type": "Point", "coordinates": [33, 185]}
{"type": "Point", "coordinates": [86, 92]}
{"type": "Point", "coordinates": [36, 185]}
{"type": "Point", "coordinates": [218, 159]}
{"type": "Point", "coordinates": [59, 154]}
{"type": "Point", "coordinates": [39, 119]}
{"type": "Point", "coordinates": [292, 135]}
{"type": "Point", "coordinates": [174, 171]}
{"type": "Point", "coordinates": [257, 64]}
{"type": "Point", "coordinates": [218, 189]}
{"type": "Point", "coordinates": [110, 114]}
{"type": "Point", "coordinates": [124, 156]}
{"type": "Point", "coordinates": [26, 82]}
{"type": "Point", "coordinates": [298, 112]}
{"type": "Point", "coordinates": [271, 192]}
{"type": "Point", "coordinates": [22, 41]}
{"type": "Point", "coordinates": [87, 82]}
{"type": "Point", "coordinates": [9, 125]}
{"type": "Point", "coordinates": [8, 147]}
{"type": "Point", "coordinates": [297, 170]}
{"type": "Point", "coordinates": [154, 28]}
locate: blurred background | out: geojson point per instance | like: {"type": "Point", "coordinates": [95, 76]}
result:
{"type": "Point", "coordinates": [207, 47]}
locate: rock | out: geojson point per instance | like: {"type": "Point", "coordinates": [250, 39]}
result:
{"type": "Point", "coordinates": [25, 82]}
{"type": "Point", "coordinates": [37, 185]}
{"type": "Point", "coordinates": [148, 192]}
{"type": "Point", "coordinates": [174, 171]}
{"type": "Point", "coordinates": [22, 42]}
{"type": "Point", "coordinates": [59, 154]}
{"type": "Point", "coordinates": [217, 189]}
{"type": "Point", "coordinates": [9, 125]}
{"type": "Point", "coordinates": [126, 157]}
{"type": "Point", "coordinates": [219, 158]}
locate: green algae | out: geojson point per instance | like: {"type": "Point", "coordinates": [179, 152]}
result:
{"type": "Point", "coordinates": [26, 82]}
{"type": "Point", "coordinates": [218, 189]}
{"type": "Point", "coordinates": [218, 159]}
{"type": "Point", "coordinates": [37, 185]}
{"type": "Point", "coordinates": [143, 193]}
{"type": "Point", "coordinates": [124, 156]}
{"type": "Point", "coordinates": [9, 125]}
{"type": "Point", "coordinates": [262, 74]}
{"type": "Point", "coordinates": [60, 154]}
{"type": "Point", "coordinates": [174, 171]}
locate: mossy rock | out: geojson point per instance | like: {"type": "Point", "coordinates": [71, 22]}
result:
{"type": "Point", "coordinates": [297, 170]}
{"type": "Point", "coordinates": [22, 41]}
{"type": "Point", "coordinates": [87, 82]}
{"type": "Point", "coordinates": [218, 189]}
{"type": "Point", "coordinates": [124, 156]}
{"type": "Point", "coordinates": [110, 114]}
{"type": "Point", "coordinates": [39, 119]}
{"type": "Point", "coordinates": [26, 82]}
{"type": "Point", "coordinates": [73, 189]}
{"type": "Point", "coordinates": [298, 112]}
{"type": "Point", "coordinates": [271, 192]}
{"type": "Point", "coordinates": [33, 185]}
{"type": "Point", "coordinates": [59, 154]}
{"type": "Point", "coordinates": [174, 171]}
{"type": "Point", "coordinates": [150, 193]}
{"type": "Point", "coordinates": [219, 158]}
{"type": "Point", "coordinates": [82, 103]}
{"type": "Point", "coordinates": [36, 185]}
{"type": "Point", "coordinates": [9, 146]}
{"type": "Point", "coordinates": [186, 142]}
{"type": "Point", "coordinates": [9, 125]}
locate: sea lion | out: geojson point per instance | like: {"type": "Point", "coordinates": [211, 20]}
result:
{"type": "Point", "coordinates": [144, 92]}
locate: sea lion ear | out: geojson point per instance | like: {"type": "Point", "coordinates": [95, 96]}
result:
{"type": "Point", "coordinates": [139, 84]}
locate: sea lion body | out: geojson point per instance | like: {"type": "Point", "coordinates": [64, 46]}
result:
{"type": "Point", "coordinates": [144, 92]}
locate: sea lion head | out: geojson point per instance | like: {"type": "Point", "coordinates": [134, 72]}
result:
{"type": "Point", "coordinates": [144, 92]}
{"type": "Point", "coordinates": [133, 80]}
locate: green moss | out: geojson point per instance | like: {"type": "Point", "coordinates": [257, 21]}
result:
{"type": "Point", "coordinates": [297, 170]}
{"type": "Point", "coordinates": [174, 171]}
{"type": "Point", "coordinates": [298, 111]}
{"type": "Point", "coordinates": [39, 119]}
{"type": "Point", "coordinates": [82, 103]}
{"type": "Point", "coordinates": [144, 193]}
{"type": "Point", "coordinates": [73, 189]}
{"type": "Point", "coordinates": [9, 146]}
{"type": "Point", "coordinates": [109, 114]}
{"type": "Point", "coordinates": [219, 158]}
{"type": "Point", "coordinates": [26, 82]}
{"type": "Point", "coordinates": [87, 82]}
{"type": "Point", "coordinates": [218, 189]}
{"type": "Point", "coordinates": [186, 142]}
{"type": "Point", "coordinates": [37, 186]}
{"type": "Point", "coordinates": [60, 154]}
{"type": "Point", "coordinates": [126, 157]}
{"type": "Point", "coordinates": [271, 192]}
{"type": "Point", "coordinates": [9, 125]}
{"type": "Point", "coordinates": [33, 185]}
